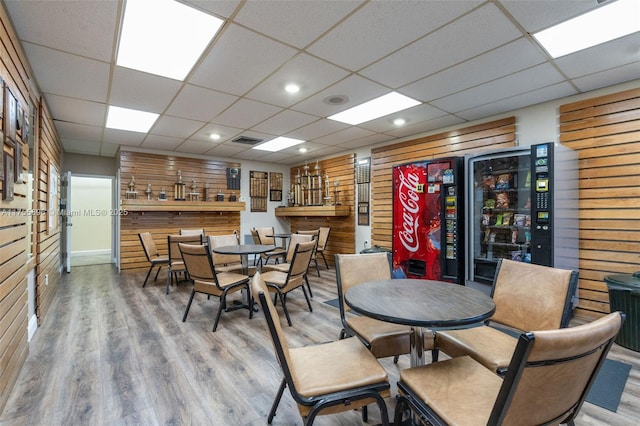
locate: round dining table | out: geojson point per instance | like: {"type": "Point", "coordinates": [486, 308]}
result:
{"type": "Point", "coordinates": [420, 304]}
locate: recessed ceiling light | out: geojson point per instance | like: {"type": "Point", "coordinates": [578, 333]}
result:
{"type": "Point", "coordinates": [399, 121]}
{"type": "Point", "coordinates": [278, 144]}
{"type": "Point", "coordinates": [164, 37]}
{"type": "Point", "coordinates": [302, 150]}
{"type": "Point", "coordinates": [130, 119]}
{"type": "Point", "coordinates": [336, 100]}
{"type": "Point", "coordinates": [292, 88]}
{"type": "Point", "coordinates": [611, 21]}
{"type": "Point", "coordinates": [214, 136]}
{"type": "Point", "coordinates": [384, 105]}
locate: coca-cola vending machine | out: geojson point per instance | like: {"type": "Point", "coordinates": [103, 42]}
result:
{"type": "Point", "coordinates": [428, 217]}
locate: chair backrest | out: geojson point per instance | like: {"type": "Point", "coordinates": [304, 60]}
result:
{"type": "Point", "coordinates": [353, 269]}
{"type": "Point", "coordinates": [302, 255]}
{"type": "Point", "coordinates": [149, 247]}
{"type": "Point", "coordinates": [295, 240]}
{"type": "Point", "coordinates": [174, 240]}
{"type": "Point", "coordinates": [266, 235]}
{"type": "Point", "coordinates": [255, 236]}
{"type": "Point", "coordinates": [224, 240]}
{"type": "Point", "coordinates": [532, 297]}
{"type": "Point", "coordinates": [552, 371]}
{"type": "Point", "coordinates": [192, 232]}
{"type": "Point", "coordinates": [198, 262]}
{"type": "Point", "coordinates": [323, 237]}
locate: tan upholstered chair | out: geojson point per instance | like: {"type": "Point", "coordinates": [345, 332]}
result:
{"type": "Point", "coordinates": [176, 265]}
{"type": "Point", "coordinates": [152, 254]}
{"type": "Point", "coordinates": [527, 297]}
{"type": "Point", "coordinates": [227, 262]}
{"type": "Point", "coordinates": [382, 338]}
{"type": "Point", "coordinates": [548, 379]}
{"type": "Point", "coordinates": [199, 264]}
{"type": "Point", "coordinates": [265, 236]}
{"type": "Point", "coordinates": [282, 283]}
{"type": "Point", "coordinates": [314, 233]}
{"type": "Point", "coordinates": [323, 238]}
{"type": "Point", "coordinates": [193, 232]}
{"type": "Point", "coordinates": [284, 267]}
{"type": "Point", "coordinates": [326, 378]}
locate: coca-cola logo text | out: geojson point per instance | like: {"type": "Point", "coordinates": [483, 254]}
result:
{"type": "Point", "coordinates": [410, 211]}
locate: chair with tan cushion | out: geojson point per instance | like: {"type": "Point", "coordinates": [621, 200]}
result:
{"type": "Point", "coordinates": [315, 234]}
{"type": "Point", "coordinates": [199, 231]}
{"type": "Point", "coordinates": [547, 381]}
{"type": "Point", "coordinates": [382, 338]}
{"type": "Point", "coordinates": [152, 254]}
{"type": "Point", "coordinates": [206, 280]}
{"type": "Point", "coordinates": [265, 236]}
{"type": "Point", "coordinates": [527, 297]}
{"type": "Point", "coordinates": [325, 378]}
{"type": "Point", "coordinates": [323, 239]}
{"type": "Point", "coordinates": [282, 283]}
{"type": "Point", "coordinates": [227, 262]}
{"type": "Point", "coordinates": [284, 267]}
{"type": "Point", "coordinates": [176, 265]}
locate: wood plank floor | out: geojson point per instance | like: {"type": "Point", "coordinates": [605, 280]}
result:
{"type": "Point", "coordinates": [113, 353]}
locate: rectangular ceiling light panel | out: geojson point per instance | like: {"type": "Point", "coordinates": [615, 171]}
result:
{"type": "Point", "coordinates": [164, 37]}
{"type": "Point", "coordinates": [278, 144]}
{"type": "Point", "coordinates": [375, 108]}
{"type": "Point", "coordinates": [608, 22]}
{"type": "Point", "coordinates": [130, 119]}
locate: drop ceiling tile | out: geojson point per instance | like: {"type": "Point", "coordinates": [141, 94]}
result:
{"type": "Point", "coordinates": [366, 141]}
{"type": "Point", "coordinates": [311, 74]}
{"type": "Point", "coordinates": [317, 129]}
{"type": "Point", "coordinates": [356, 88]}
{"type": "Point", "coordinates": [109, 149]}
{"type": "Point", "coordinates": [68, 75]}
{"type": "Point", "coordinates": [175, 127]}
{"type": "Point", "coordinates": [196, 147]}
{"type": "Point", "coordinates": [412, 115]}
{"type": "Point", "coordinates": [536, 15]}
{"type": "Point", "coordinates": [416, 129]}
{"type": "Point", "coordinates": [82, 28]}
{"type": "Point", "coordinates": [161, 142]}
{"type": "Point", "coordinates": [239, 60]}
{"type": "Point", "coordinates": [344, 136]}
{"type": "Point", "coordinates": [283, 122]}
{"type": "Point", "coordinates": [227, 149]}
{"type": "Point", "coordinates": [621, 51]}
{"type": "Point", "coordinates": [484, 29]}
{"type": "Point", "coordinates": [279, 157]}
{"type": "Point", "coordinates": [245, 114]}
{"type": "Point", "coordinates": [608, 77]}
{"type": "Point", "coordinates": [294, 23]}
{"type": "Point", "coordinates": [123, 137]}
{"type": "Point", "coordinates": [76, 110]}
{"type": "Point", "coordinates": [221, 8]}
{"type": "Point", "coordinates": [544, 94]}
{"type": "Point", "coordinates": [512, 57]}
{"type": "Point", "coordinates": [525, 81]}
{"type": "Point", "coordinates": [78, 131]}
{"type": "Point", "coordinates": [199, 103]}
{"type": "Point", "coordinates": [252, 154]}
{"type": "Point", "coordinates": [80, 146]}
{"type": "Point", "coordinates": [381, 27]}
{"type": "Point", "coordinates": [226, 133]}
{"type": "Point", "coordinates": [141, 91]}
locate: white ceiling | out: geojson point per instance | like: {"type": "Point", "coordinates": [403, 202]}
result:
{"type": "Point", "coordinates": [465, 60]}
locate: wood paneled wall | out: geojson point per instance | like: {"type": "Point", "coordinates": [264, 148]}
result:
{"type": "Point", "coordinates": [162, 171]}
{"type": "Point", "coordinates": [494, 135]}
{"type": "Point", "coordinates": [18, 252]}
{"type": "Point", "coordinates": [605, 132]}
{"type": "Point", "coordinates": [342, 238]}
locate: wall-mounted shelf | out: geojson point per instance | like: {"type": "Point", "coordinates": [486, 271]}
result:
{"type": "Point", "coordinates": [327, 211]}
{"type": "Point", "coordinates": [182, 206]}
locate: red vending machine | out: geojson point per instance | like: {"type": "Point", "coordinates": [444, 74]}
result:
{"type": "Point", "coordinates": [428, 219]}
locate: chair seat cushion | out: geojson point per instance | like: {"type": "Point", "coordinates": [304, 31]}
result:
{"type": "Point", "coordinates": [384, 338]}
{"type": "Point", "coordinates": [228, 279]}
{"type": "Point", "coordinates": [160, 260]}
{"type": "Point", "coordinates": [442, 385]}
{"type": "Point", "coordinates": [333, 367]}
{"type": "Point", "coordinates": [491, 347]}
{"type": "Point", "coordinates": [275, 277]}
{"type": "Point", "coordinates": [280, 267]}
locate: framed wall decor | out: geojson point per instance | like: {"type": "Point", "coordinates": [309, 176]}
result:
{"type": "Point", "coordinates": [258, 191]}
{"type": "Point", "coordinates": [275, 186]}
{"type": "Point", "coordinates": [17, 172]}
{"type": "Point", "coordinates": [7, 187]}
{"type": "Point", "coordinates": [11, 115]}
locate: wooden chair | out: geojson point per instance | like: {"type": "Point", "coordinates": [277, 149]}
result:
{"type": "Point", "coordinates": [193, 232]}
{"type": "Point", "coordinates": [547, 381]}
{"type": "Point", "coordinates": [382, 338]}
{"type": "Point", "coordinates": [176, 265]}
{"type": "Point", "coordinates": [325, 378]}
{"type": "Point", "coordinates": [152, 254]}
{"type": "Point", "coordinates": [282, 283]}
{"type": "Point", "coordinates": [199, 264]}
{"type": "Point", "coordinates": [265, 236]}
{"type": "Point", "coordinates": [284, 267]}
{"type": "Point", "coordinates": [527, 297]}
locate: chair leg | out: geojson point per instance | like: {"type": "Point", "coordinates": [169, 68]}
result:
{"type": "Point", "coordinates": [186, 311]}
{"type": "Point", "coordinates": [365, 414]}
{"type": "Point", "coordinates": [343, 334]}
{"type": "Point", "coordinates": [157, 273]}
{"type": "Point", "coordinates": [325, 259]}
{"type": "Point", "coordinates": [168, 279]}
{"type": "Point", "coordinates": [276, 401]}
{"type": "Point", "coordinates": [308, 286]}
{"type": "Point", "coordinates": [147, 277]}
{"type": "Point", "coordinates": [315, 259]}
{"type": "Point", "coordinates": [434, 355]}
{"type": "Point", "coordinates": [223, 305]}
{"type": "Point", "coordinates": [306, 296]}
{"type": "Point", "coordinates": [396, 358]}
{"type": "Point", "coordinates": [401, 404]}
{"type": "Point", "coordinates": [283, 299]}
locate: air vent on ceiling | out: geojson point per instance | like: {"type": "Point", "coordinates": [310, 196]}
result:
{"type": "Point", "coordinates": [247, 140]}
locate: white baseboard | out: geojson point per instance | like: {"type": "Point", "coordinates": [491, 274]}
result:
{"type": "Point", "coordinates": [33, 325]}
{"type": "Point", "coordinates": [88, 253]}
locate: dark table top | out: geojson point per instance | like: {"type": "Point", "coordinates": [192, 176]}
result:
{"type": "Point", "coordinates": [420, 303]}
{"type": "Point", "coordinates": [244, 249]}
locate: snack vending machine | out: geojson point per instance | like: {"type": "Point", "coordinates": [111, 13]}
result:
{"type": "Point", "coordinates": [428, 219]}
{"type": "Point", "coordinates": [522, 205]}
